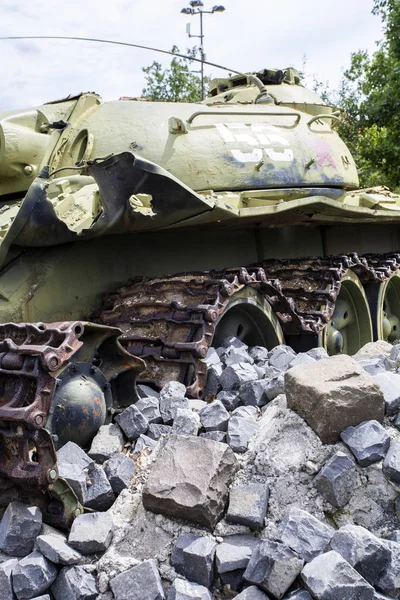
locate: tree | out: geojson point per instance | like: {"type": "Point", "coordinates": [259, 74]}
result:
{"type": "Point", "coordinates": [369, 96]}
{"type": "Point", "coordinates": [177, 83]}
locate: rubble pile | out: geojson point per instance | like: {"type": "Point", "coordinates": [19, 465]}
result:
{"type": "Point", "coordinates": [282, 484]}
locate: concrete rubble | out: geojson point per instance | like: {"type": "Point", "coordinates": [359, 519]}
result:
{"type": "Point", "coordinates": [283, 483]}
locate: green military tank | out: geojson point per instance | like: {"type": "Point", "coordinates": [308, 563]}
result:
{"type": "Point", "coordinates": [134, 235]}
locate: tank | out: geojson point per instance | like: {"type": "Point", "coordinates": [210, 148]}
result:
{"type": "Point", "coordinates": [134, 235]}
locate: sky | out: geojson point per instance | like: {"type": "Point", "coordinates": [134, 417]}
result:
{"type": "Point", "coordinates": [249, 35]}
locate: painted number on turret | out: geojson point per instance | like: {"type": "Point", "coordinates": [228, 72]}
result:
{"type": "Point", "coordinates": [273, 144]}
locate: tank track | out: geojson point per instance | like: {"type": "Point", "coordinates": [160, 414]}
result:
{"type": "Point", "coordinates": [170, 321]}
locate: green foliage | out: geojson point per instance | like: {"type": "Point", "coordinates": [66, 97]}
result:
{"type": "Point", "coordinates": [175, 84]}
{"type": "Point", "coordinates": [369, 97]}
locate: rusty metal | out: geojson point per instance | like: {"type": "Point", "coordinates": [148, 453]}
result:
{"type": "Point", "coordinates": [170, 322]}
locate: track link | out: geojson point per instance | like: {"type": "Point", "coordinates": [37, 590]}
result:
{"type": "Point", "coordinates": [170, 321]}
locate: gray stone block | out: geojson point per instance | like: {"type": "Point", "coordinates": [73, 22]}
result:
{"type": "Point", "coordinates": [298, 595]}
{"type": "Point", "coordinates": [389, 580]}
{"type": "Point", "coordinates": [213, 384]}
{"type": "Point", "coordinates": [172, 397]}
{"type": "Point", "coordinates": [369, 555]}
{"type": "Point", "coordinates": [73, 454]}
{"type": "Point", "coordinates": [234, 552]}
{"type": "Point", "coordinates": [198, 561]}
{"type": "Point", "coordinates": [234, 356]}
{"type": "Point", "coordinates": [33, 575]}
{"type": "Point", "coordinates": [108, 441]}
{"type": "Point", "coordinates": [373, 366]}
{"type": "Point", "coordinates": [318, 353]}
{"type": "Point", "coordinates": [99, 494]}
{"type": "Point", "coordinates": [233, 341]}
{"type": "Point", "coordinates": [156, 431]}
{"type": "Point", "coordinates": [303, 358]}
{"type": "Point", "coordinates": [368, 441]}
{"type": "Point", "coordinates": [186, 590]}
{"type": "Point", "coordinates": [6, 569]}
{"type": "Point", "coordinates": [196, 405]}
{"type": "Point", "coordinates": [230, 400]}
{"type": "Point", "coordinates": [119, 469]}
{"type": "Point", "coordinates": [330, 577]}
{"type": "Point", "coordinates": [252, 593]}
{"type": "Point", "coordinates": [19, 527]}
{"type": "Point", "coordinates": [75, 477]}
{"type": "Point", "coordinates": [91, 533]}
{"type": "Point", "coordinates": [390, 386]}
{"type": "Point", "coordinates": [186, 422]}
{"type": "Point", "coordinates": [218, 436]}
{"type": "Point", "coordinates": [214, 417]}
{"type": "Point", "coordinates": [212, 357]}
{"type": "Point", "coordinates": [45, 597]}
{"type": "Point", "coordinates": [233, 377]}
{"type": "Point", "coordinates": [391, 464]}
{"type": "Point", "coordinates": [248, 505]}
{"type": "Point", "coordinates": [132, 422]}
{"type": "Point", "coordinates": [241, 427]}
{"type": "Point", "coordinates": [259, 354]}
{"type": "Point", "coordinates": [394, 536]}
{"type": "Point", "coordinates": [281, 357]}
{"type": "Point", "coordinates": [144, 442]}
{"type": "Point", "coordinates": [74, 583]}
{"type": "Point", "coordinates": [150, 409]}
{"type": "Point", "coordinates": [253, 393]}
{"type": "Point", "coordinates": [233, 578]}
{"type": "Point", "coordinates": [304, 534]}
{"type": "Point", "coordinates": [142, 582]}
{"type": "Point", "coordinates": [275, 386]}
{"type": "Point", "coordinates": [145, 391]}
{"type": "Point", "coordinates": [190, 480]}
{"type": "Point", "coordinates": [337, 480]}
{"type": "Point", "coordinates": [56, 549]}
{"type": "Point", "coordinates": [273, 567]}
{"type": "Point", "coordinates": [177, 555]}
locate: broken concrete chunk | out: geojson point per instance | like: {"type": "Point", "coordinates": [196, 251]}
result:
{"type": "Point", "coordinates": [108, 441]}
{"type": "Point", "coordinates": [214, 417]}
{"type": "Point", "coordinates": [56, 549]}
{"type": "Point", "coordinates": [132, 422]}
{"type": "Point", "coordinates": [391, 464]}
{"type": "Point", "coordinates": [186, 590]}
{"type": "Point", "coordinates": [33, 575]}
{"type": "Point", "coordinates": [337, 479]}
{"type": "Point", "coordinates": [330, 577]}
{"type": "Point", "coordinates": [248, 505]}
{"type": "Point", "coordinates": [273, 567]}
{"type": "Point", "coordinates": [19, 527]}
{"type": "Point", "coordinates": [198, 561]}
{"type": "Point", "coordinates": [304, 534]}
{"type": "Point", "coordinates": [190, 480]}
{"type": "Point", "coordinates": [372, 349]}
{"type": "Point", "coordinates": [91, 533]}
{"type": "Point", "coordinates": [74, 583]}
{"type": "Point", "coordinates": [142, 582]}
{"type": "Point", "coordinates": [119, 469]}
{"type": "Point", "coordinates": [368, 554]}
{"type": "Point", "coordinates": [389, 383]}
{"type": "Point", "coordinates": [368, 441]}
{"type": "Point", "coordinates": [234, 552]}
{"type": "Point", "coordinates": [99, 494]}
{"type": "Point", "coordinates": [333, 394]}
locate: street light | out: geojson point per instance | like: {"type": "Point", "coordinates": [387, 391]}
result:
{"type": "Point", "coordinates": [196, 9]}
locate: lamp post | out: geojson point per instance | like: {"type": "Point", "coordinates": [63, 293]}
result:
{"type": "Point", "coordinates": [196, 8]}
